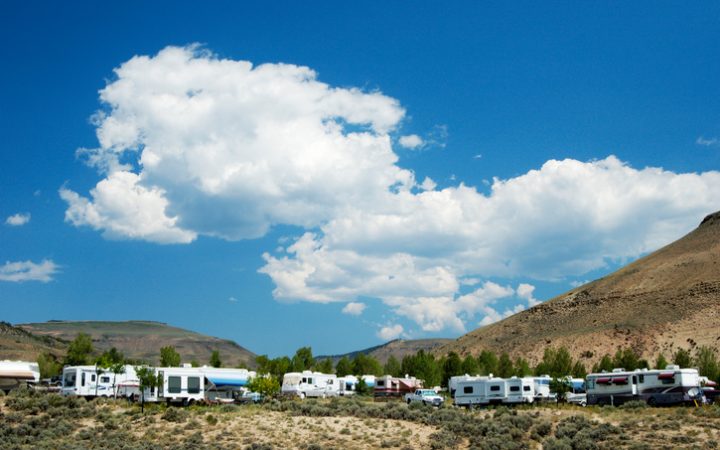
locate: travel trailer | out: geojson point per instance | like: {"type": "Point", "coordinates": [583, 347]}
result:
{"type": "Point", "coordinates": [453, 381]}
{"type": "Point", "coordinates": [577, 393]}
{"type": "Point", "coordinates": [388, 386]}
{"type": "Point", "coordinates": [670, 386]}
{"type": "Point", "coordinates": [310, 384]}
{"type": "Point", "coordinates": [347, 385]}
{"type": "Point", "coordinates": [187, 385]}
{"type": "Point", "coordinates": [225, 385]}
{"type": "Point", "coordinates": [14, 374]}
{"type": "Point", "coordinates": [481, 392]}
{"type": "Point", "coordinates": [520, 390]}
{"type": "Point", "coordinates": [541, 385]}
{"type": "Point", "coordinates": [92, 381]}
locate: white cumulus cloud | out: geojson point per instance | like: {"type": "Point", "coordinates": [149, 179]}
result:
{"type": "Point", "coordinates": [190, 145]}
{"type": "Point", "coordinates": [354, 308]}
{"type": "Point", "coordinates": [411, 141]}
{"type": "Point", "coordinates": [17, 220]}
{"type": "Point", "coordinates": [28, 271]}
{"type": "Point", "coordinates": [390, 332]}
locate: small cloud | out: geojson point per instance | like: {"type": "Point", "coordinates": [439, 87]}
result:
{"type": "Point", "coordinates": [28, 271]}
{"type": "Point", "coordinates": [478, 156]}
{"type": "Point", "coordinates": [390, 332]}
{"type": "Point", "coordinates": [411, 141]}
{"type": "Point", "coordinates": [232, 300]}
{"type": "Point", "coordinates": [708, 142]}
{"type": "Point", "coordinates": [469, 281]}
{"type": "Point", "coordinates": [525, 291]}
{"type": "Point", "coordinates": [437, 137]}
{"type": "Point", "coordinates": [37, 193]}
{"type": "Point", "coordinates": [428, 184]}
{"type": "Point", "coordinates": [354, 308]}
{"type": "Point", "coordinates": [17, 220]}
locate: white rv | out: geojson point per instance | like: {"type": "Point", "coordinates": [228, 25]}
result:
{"type": "Point", "coordinates": [225, 384]}
{"type": "Point", "coordinates": [520, 390]}
{"type": "Point", "coordinates": [541, 385]}
{"type": "Point", "coordinates": [577, 393]}
{"type": "Point", "coordinates": [672, 385]}
{"type": "Point", "coordinates": [92, 381]}
{"type": "Point", "coordinates": [481, 392]}
{"type": "Point", "coordinates": [310, 384]}
{"type": "Point", "coordinates": [347, 385]}
{"type": "Point", "coordinates": [14, 374]}
{"type": "Point", "coordinates": [453, 381]}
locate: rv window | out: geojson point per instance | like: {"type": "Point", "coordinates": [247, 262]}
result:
{"type": "Point", "coordinates": [92, 378]}
{"type": "Point", "coordinates": [526, 388]}
{"type": "Point", "coordinates": [668, 380]}
{"type": "Point", "coordinates": [634, 380]}
{"type": "Point", "coordinates": [642, 378]}
{"type": "Point", "coordinates": [310, 381]}
{"type": "Point", "coordinates": [174, 385]}
{"type": "Point", "coordinates": [468, 390]}
{"type": "Point", "coordinates": [381, 383]}
{"type": "Point", "coordinates": [193, 385]}
{"type": "Point", "coordinates": [514, 388]}
{"type": "Point", "coordinates": [82, 379]}
{"type": "Point", "coordinates": [104, 379]}
{"type": "Point", "coordinates": [494, 388]}
{"type": "Point", "coordinates": [304, 380]}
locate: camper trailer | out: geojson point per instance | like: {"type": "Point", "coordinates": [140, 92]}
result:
{"type": "Point", "coordinates": [393, 387]}
{"type": "Point", "coordinates": [670, 386]}
{"type": "Point", "coordinates": [480, 392]}
{"type": "Point", "coordinates": [14, 374]}
{"type": "Point", "coordinates": [577, 393]}
{"type": "Point", "coordinates": [347, 385]}
{"type": "Point", "coordinates": [453, 381]}
{"type": "Point", "coordinates": [520, 390]}
{"type": "Point", "coordinates": [93, 381]}
{"type": "Point", "coordinates": [225, 385]}
{"type": "Point", "coordinates": [541, 385]}
{"type": "Point", "coordinates": [310, 384]}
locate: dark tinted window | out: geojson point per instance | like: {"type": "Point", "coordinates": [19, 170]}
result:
{"type": "Point", "coordinates": [468, 390]}
{"type": "Point", "coordinates": [193, 385]}
{"type": "Point", "coordinates": [514, 388]}
{"type": "Point", "coordinates": [174, 385]}
{"type": "Point", "coordinates": [494, 388]}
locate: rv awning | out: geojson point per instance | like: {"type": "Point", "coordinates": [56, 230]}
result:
{"type": "Point", "coordinates": [666, 375]}
{"type": "Point", "coordinates": [217, 381]}
{"type": "Point", "coordinates": [605, 380]}
{"type": "Point", "coordinates": [620, 380]}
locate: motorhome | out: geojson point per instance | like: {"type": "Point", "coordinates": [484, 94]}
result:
{"type": "Point", "coordinates": [94, 381]}
{"type": "Point", "coordinates": [520, 390]}
{"type": "Point", "coordinates": [14, 374]}
{"type": "Point", "coordinates": [576, 393]}
{"type": "Point", "coordinates": [669, 386]}
{"type": "Point", "coordinates": [310, 384]}
{"type": "Point", "coordinates": [388, 386]}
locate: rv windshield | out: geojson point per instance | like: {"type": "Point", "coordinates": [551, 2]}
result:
{"type": "Point", "coordinates": [69, 379]}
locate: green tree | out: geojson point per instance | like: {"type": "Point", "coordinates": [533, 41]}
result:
{"type": "Point", "coordinates": [111, 361]}
{"type": "Point", "coordinates": [578, 370]}
{"type": "Point", "coordinates": [343, 367]}
{"type": "Point", "coordinates": [325, 366]}
{"type": "Point", "coordinates": [522, 367]}
{"type": "Point", "coordinates": [488, 362]}
{"type": "Point", "coordinates": [303, 360]}
{"type": "Point", "coordinates": [392, 367]}
{"type": "Point", "coordinates": [215, 360]}
{"type": "Point", "coordinates": [661, 362]}
{"type": "Point", "coordinates": [79, 350]}
{"type": "Point", "coordinates": [169, 357]}
{"type": "Point", "coordinates": [627, 359]}
{"type": "Point", "coordinates": [706, 361]}
{"type": "Point", "coordinates": [362, 388]}
{"type": "Point", "coordinates": [505, 366]}
{"type": "Point", "coordinates": [149, 380]}
{"type": "Point", "coordinates": [267, 385]}
{"type": "Point", "coordinates": [452, 366]}
{"type": "Point", "coordinates": [560, 386]}
{"type": "Point", "coordinates": [682, 358]}
{"type": "Point", "coordinates": [423, 366]}
{"type": "Point", "coordinates": [364, 364]}
{"type": "Point", "coordinates": [49, 365]}
{"type": "Point", "coordinates": [470, 365]}
{"type": "Point", "coordinates": [604, 365]}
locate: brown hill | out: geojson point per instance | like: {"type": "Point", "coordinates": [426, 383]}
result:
{"type": "Point", "coordinates": [142, 340]}
{"type": "Point", "coordinates": [397, 348]}
{"type": "Point", "coordinates": [19, 344]}
{"type": "Point", "coordinates": [664, 301]}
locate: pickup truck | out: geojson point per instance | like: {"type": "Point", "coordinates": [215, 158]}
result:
{"type": "Point", "coordinates": [426, 396]}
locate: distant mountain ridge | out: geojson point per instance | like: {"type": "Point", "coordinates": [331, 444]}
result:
{"type": "Point", "coordinates": [397, 348]}
{"type": "Point", "coordinates": [142, 340]}
{"type": "Point", "coordinates": [664, 301]}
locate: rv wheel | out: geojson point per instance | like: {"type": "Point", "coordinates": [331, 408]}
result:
{"type": "Point", "coordinates": [408, 401]}
{"type": "Point", "coordinates": [651, 401]}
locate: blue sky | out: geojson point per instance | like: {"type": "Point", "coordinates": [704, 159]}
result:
{"type": "Point", "coordinates": [336, 175]}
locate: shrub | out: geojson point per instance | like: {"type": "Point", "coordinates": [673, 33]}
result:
{"type": "Point", "coordinates": [556, 444]}
{"type": "Point", "coordinates": [175, 415]}
{"type": "Point", "coordinates": [634, 404]}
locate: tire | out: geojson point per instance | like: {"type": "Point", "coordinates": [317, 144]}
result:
{"type": "Point", "coordinates": [652, 402]}
{"type": "Point", "coordinates": [409, 401]}
{"type": "Point", "coordinates": [424, 403]}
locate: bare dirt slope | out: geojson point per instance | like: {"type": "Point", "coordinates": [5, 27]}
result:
{"type": "Point", "coordinates": [18, 344]}
{"type": "Point", "coordinates": [667, 300]}
{"type": "Point", "coordinates": [398, 348]}
{"type": "Point", "coordinates": [142, 340]}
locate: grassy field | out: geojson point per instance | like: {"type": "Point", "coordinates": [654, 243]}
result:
{"type": "Point", "coordinates": [31, 420]}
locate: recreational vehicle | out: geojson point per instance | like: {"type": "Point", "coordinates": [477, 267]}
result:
{"type": "Point", "coordinates": [453, 381]}
{"type": "Point", "coordinates": [347, 385]}
{"type": "Point", "coordinates": [389, 386]}
{"type": "Point", "coordinates": [541, 385]}
{"type": "Point", "coordinates": [310, 384]}
{"type": "Point", "coordinates": [670, 386]}
{"type": "Point", "coordinates": [520, 390]}
{"type": "Point", "coordinates": [93, 381]}
{"type": "Point", "coordinates": [577, 393]}
{"type": "Point", "coordinates": [225, 385]}
{"type": "Point", "coordinates": [14, 374]}
{"type": "Point", "coordinates": [480, 392]}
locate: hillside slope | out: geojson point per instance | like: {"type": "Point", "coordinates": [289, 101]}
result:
{"type": "Point", "coordinates": [659, 303]}
{"type": "Point", "coordinates": [142, 340]}
{"type": "Point", "coordinates": [397, 348]}
{"type": "Point", "coordinates": [19, 344]}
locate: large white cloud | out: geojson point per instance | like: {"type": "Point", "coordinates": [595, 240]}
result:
{"type": "Point", "coordinates": [192, 145]}
{"type": "Point", "coordinates": [21, 271]}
